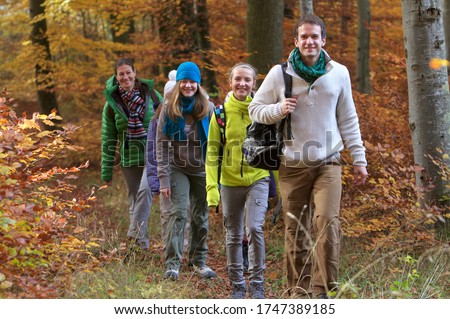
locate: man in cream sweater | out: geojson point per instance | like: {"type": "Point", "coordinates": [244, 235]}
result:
{"type": "Point", "coordinates": [323, 118]}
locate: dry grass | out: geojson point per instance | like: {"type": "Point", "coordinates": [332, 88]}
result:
{"type": "Point", "coordinates": [415, 271]}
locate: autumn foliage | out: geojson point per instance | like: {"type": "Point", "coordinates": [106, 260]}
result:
{"type": "Point", "coordinates": [40, 242]}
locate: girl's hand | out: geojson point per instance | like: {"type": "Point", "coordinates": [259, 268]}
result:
{"type": "Point", "coordinates": [165, 192]}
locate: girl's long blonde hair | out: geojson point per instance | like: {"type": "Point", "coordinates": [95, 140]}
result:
{"type": "Point", "coordinates": [201, 106]}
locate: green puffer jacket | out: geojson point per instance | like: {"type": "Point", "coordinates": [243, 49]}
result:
{"type": "Point", "coordinates": [114, 128]}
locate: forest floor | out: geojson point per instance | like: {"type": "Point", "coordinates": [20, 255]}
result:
{"type": "Point", "coordinates": [410, 272]}
{"type": "Point", "coordinates": [135, 274]}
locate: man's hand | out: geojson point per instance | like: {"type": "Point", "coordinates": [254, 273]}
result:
{"type": "Point", "coordinates": [288, 105]}
{"type": "Point", "coordinates": [359, 175]}
{"type": "Point", "coordinates": [165, 192]}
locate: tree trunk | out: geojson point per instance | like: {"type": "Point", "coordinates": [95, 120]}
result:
{"type": "Point", "coordinates": [362, 66]}
{"type": "Point", "coordinates": [429, 108]}
{"type": "Point", "coordinates": [446, 16]}
{"type": "Point", "coordinates": [306, 7]}
{"type": "Point", "coordinates": [43, 75]}
{"type": "Point", "coordinates": [209, 81]}
{"type": "Point", "coordinates": [264, 33]}
{"type": "Point", "coordinates": [289, 7]}
{"type": "Point", "coordinates": [185, 36]}
{"type": "Point", "coordinates": [344, 35]}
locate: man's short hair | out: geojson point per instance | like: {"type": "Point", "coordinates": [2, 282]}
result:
{"type": "Point", "coordinates": [311, 19]}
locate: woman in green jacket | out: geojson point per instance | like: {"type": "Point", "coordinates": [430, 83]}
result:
{"type": "Point", "coordinates": [244, 189]}
{"type": "Point", "coordinates": [126, 115]}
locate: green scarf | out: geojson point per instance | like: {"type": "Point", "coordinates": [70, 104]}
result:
{"type": "Point", "coordinates": [239, 105]}
{"type": "Point", "coordinates": [308, 73]}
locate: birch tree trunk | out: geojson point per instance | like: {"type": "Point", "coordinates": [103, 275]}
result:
{"type": "Point", "coordinates": [363, 65]}
{"type": "Point", "coordinates": [306, 7]}
{"type": "Point", "coordinates": [264, 33]}
{"type": "Point", "coordinates": [429, 108]}
{"type": "Point", "coordinates": [446, 16]}
{"type": "Point", "coordinates": [43, 75]}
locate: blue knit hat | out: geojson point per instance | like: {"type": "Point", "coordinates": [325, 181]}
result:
{"type": "Point", "coordinates": [188, 71]}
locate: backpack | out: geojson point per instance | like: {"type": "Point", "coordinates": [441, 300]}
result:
{"type": "Point", "coordinates": [263, 144]}
{"type": "Point", "coordinates": [219, 111]}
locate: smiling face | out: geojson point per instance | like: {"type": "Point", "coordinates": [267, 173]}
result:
{"type": "Point", "coordinates": [188, 88]}
{"type": "Point", "coordinates": [310, 42]}
{"type": "Point", "coordinates": [242, 81]}
{"type": "Point", "coordinates": [126, 76]}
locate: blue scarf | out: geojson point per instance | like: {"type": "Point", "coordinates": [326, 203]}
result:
{"type": "Point", "coordinates": [175, 129]}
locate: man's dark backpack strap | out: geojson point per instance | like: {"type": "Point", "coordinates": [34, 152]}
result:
{"type": "Point", "coordinates": [287, 94]}
{"type": "Point", "coordinates": [287, 81]}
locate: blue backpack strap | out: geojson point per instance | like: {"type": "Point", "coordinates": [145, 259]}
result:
{"type": "Point", "coordinates": [205, 125]}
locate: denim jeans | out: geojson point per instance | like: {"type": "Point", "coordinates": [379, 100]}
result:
{"type": "Point", "coordinates": [245, 204]}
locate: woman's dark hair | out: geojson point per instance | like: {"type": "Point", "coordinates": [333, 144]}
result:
{"type": "Point", "coordinates": [311, 19]}
{"type": "Point", "coordinates": [124, 61]}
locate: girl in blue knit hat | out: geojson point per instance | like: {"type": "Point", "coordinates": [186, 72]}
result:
{"type": "Point", "coordinates": [182, 135]}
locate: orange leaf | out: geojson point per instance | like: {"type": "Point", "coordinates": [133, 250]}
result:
{"type": "Point", "coordinates": [438, 63]}
{"type": "Point", "coordinates": [79, 230]}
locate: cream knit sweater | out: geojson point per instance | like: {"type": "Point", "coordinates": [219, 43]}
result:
{"type": "Point", "coordinates": [324, 117]}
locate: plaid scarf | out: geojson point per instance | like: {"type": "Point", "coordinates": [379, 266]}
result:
{"type": "Point", "coordinates": [308, 73]}
{"type": "Point", "coordinates": [136, 111]}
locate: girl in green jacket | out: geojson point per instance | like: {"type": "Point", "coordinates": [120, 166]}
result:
{"type": "Point", "coordinates": [126, 115]}
{"type": "Point", "coordinates": [244, 189]}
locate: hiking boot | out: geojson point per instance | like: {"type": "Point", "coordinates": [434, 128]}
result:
{"type": "Point", "coordinates": [238, 290]}
{"type": "Point", "coordinates": [256, 290]}
{"type": "Point", "coordinates": [205, 272]}
{"type": "Point", "coordinates": [171, 274]}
